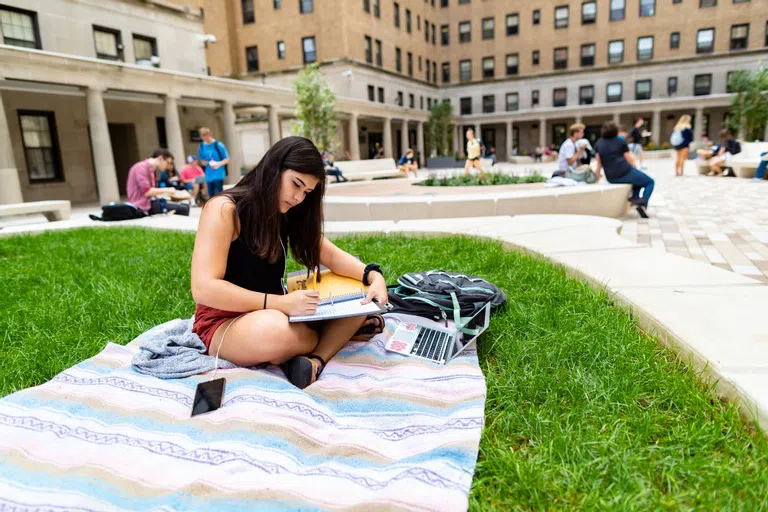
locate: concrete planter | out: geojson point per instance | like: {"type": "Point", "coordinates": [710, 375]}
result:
{"type": "Point", "coordinates": [659, 153]}
{"type": "Point", "coordinates": [444, 162]}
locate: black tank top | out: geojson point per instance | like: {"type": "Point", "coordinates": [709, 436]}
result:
{"type": "Point", "coordinates": [248, 271]}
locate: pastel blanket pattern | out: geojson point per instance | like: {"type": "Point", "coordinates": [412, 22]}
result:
{"type": "Point", "coordinates": [378, 431]}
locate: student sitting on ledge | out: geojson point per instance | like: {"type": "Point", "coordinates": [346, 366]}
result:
{"type": "Point", "coordinates": [408, 164]}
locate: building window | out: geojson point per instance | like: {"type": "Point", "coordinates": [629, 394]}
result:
{"type": "Point", "coordinates": [647, 8]}
{"type": "Point", "coordinates": [535, 56]}
{"type": "Point", "coordinates": [512, 64]}
{"type": "Point", "coordinates": [379, 58]}
{"type": "Point", "coordinates": [306, 6]}
{"type": "Point", "coordinates": [705, 40]}
{"type": "Point", "coordinates": [144, 49]}
{"type": "Point", "coordinates": [739, 36]}
{"type": "Point", "coordinates": [429, 103]}
{"type": "Point", "coordinates": [443, 3]}
{"type": "Point", "coordinates": [674, 40]}
{"type": "Point", "coordinates": [588, 55]}
{"type": "Point", "coordinates": [618, 8]}
{"type": "Point", "coordinates": [397, 15]}
{"type": "Point", "coordinates": [381, 94]}
{"type": "Point", "coordinates": [702, 85]}
{"type": "Point", "coordinates": [420, 63]}
{"type": "Point", "coordinates": [444, 35]}
{"type": "Point", "coordinates": [252, 58]}
{"type": "Point", "coordinates": [433, 34]}
{"type": "Point", "coordinates": [561, 16]}
{"type": "Point", "coordinates": [559, 97]}
{"type": "Point", "coordinates": [446, 68]}
{"type": "Point", "coordinates": [586, 94]}
{"type": "Point", "coordinates": [489, 104]}
{"type": "Point", "coordinates": [367, 6]}
{"type": "Point", "coordinates": [429, 71]}
{"type": "Point", "coordinates": [368, 50]}
{"type": "Point", "coordinates": [377, 8]}
{"type": "Point", "coordinates": [466, 106]}
{"type": "Point", "coordinates": [421, 102]}
{"type": "Point", "coordinates": [411, 101]}
{"type": "Point", "coordinates": [615, 52]}
{"type": "Point", "coordinates": [41, 146]}
{"type": "Point", "coordinates": [513, 24]}
{"type": "Point", "coordinates": [536, 16]}
{"type": "Point", "coordinates": [410, 64]}
{"type": "Point", "coordinates": [645, 48]}
{"type": "Point", "coordinates": [489, 66]}
{"type": "Point", "coordinates": [535, 98]}
{"type": "Point", "coordinates": [400, 100]}
{"type": "Point", "coordinates": [766, 34]}
{"type": "Point", "coordinates": [281, 50]}
{"type": "Point", "coordinates": [434, 72]}
{"type": "Point", "coordinates": [371, 93]}
{"type": "Point", "coordinates": [398, 60]}
{"type": "Point", "coordinates": [418, 22]}
{"type": "Point", "coordinates": [408, 20]}
{"type": "Point", "coordinates": [248, 16]}
{"type": "Point", "coordinates": [109, 44]}
{"type": "Point", "coordinates": [729, 78]}
{"type": "Point", "coordinates": [671, 86]}
{"type": "Point", "coordinates": [588, 12]}
{"type": "Point", "coordinates": [513, 102]}
{"type": "Point", "coordinates": [465, 32]}
{"type": "Point", "coordinates": [561, 58]}
{"type": "Point", "coordinates": [613, 92]}
{"type": "Point", "coordinates": [310, 53]}
{"type": "Point", "coordinates": [426, 31]}
{"type": "Point", "coordinates": [707, 3]}
{"type": "Point", "coordinates": [643, 90]}
{"type": "Point", "coordinates": [465, 70]}
{"type": "Point", "coordinates": [19, 28]}
{"type": "Point", "coordinates": [489, 28]}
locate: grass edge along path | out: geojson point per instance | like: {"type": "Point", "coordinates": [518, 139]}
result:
{"type": "Point", "coordinates": [583, 410]}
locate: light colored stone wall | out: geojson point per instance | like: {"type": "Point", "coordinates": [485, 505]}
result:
{"type": "Point", "coordinates": [66, 26]}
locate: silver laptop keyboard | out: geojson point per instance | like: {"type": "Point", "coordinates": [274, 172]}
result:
{"type": "Point", "coordinates": [430, 344]}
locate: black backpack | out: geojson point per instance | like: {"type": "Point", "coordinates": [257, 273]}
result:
{"type": "Point", "coordinates": [119, 211]}
{"type": "Point", "coordinates": [440, 296]}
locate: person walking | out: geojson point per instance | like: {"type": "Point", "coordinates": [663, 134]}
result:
{"type": "Point", "coordinates": [681, 139]}
{"type": "Point", "coordinates": [473, 153]}
{"type": "Point", "coordinates": [213, 155]}
{"type": "Point", "coordinates": [635, 140]}
{"type": "Point", "coordinates": [614, 156]}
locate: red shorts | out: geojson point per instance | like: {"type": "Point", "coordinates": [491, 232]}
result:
{"type": "Point", "coordinates": [207, 320]}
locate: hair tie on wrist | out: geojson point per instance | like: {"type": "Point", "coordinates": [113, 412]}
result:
{"type": "Point", "coordinates": [265, 300]}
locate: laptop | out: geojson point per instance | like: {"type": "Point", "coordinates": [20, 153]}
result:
{"type": "Point", "coordinates": [424, 339]}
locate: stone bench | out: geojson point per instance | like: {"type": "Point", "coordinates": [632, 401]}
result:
{"type": "Point", "coordinates": [53, 210]}
{"type": "Point", "coordinates": [355, 170]}
{"type": "Point", "coordinates": [744, 164]}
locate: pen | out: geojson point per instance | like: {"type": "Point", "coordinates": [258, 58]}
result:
{"type": "Point", "coordinates": [314, 279]}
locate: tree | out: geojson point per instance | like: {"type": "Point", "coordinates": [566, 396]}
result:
{"type": "Point", "coordinates": [749, 107]}
{"type": "Point", "coordinates": [439, 129]}
{"type": "Point", "coordinates": [315, 108]}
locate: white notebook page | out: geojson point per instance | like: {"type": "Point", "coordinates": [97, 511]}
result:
{"type": "Point", "coordinates": [339, 310]}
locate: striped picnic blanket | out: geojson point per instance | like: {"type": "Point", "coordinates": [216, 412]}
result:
{"type": "Point", "coordinates": [377, 431]}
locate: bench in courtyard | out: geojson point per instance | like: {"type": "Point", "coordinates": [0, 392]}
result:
{"type": "Point", "coordinates": [355, 170]}
{"type": "Point", "coordinates": [53, 210]}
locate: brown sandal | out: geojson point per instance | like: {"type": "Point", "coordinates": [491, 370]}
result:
{"type": "Point", "coordinates": [300, 370]}
{"type": "Point", "coordinates": [373, 325]}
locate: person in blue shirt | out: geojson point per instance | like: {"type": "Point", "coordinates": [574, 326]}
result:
{"type": "Point", "coordinates": [408, 164]}
{"type": "Point", "coordinates": [213, 156]}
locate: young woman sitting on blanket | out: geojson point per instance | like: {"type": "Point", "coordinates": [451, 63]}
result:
{"type": "Point", "coordinates": [239, 262]}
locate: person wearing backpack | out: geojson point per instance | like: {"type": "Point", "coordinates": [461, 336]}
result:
{"type": "Point", "coordinates": [681, 139]}
{"type": "Point", "coordinates": [213, 155]}
{"type": "Point", "coordinates": [729, 146]}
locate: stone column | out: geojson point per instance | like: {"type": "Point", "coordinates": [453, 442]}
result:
{"type": "Point", "coordinates": [510, 144]}
{"type": "Point", "coordinates": [388, 137]}
{"type": "Point", "coordinates": [457, 139]}
{"type": "Point", "coordinates": [656, 127]}
{"type": "Point", "coordinates": [232, 141]}
{"type": "Point", "coordinates": [478, 131]}
{"type": "Point", "coordinates": [354, 138]}
{"type": "Point", "coordinates": [617, 119]}
{"type": "Point", "coordinates": [10, 192]}
{"type": "Point", "coordinates": [420, 142]}
{"type": "Point", "coordinates": [173, 130]}
{"type": "Point", "coordinates": [274, 125]}
{"type": "Point", "coordinates": [542, 132]}
{"type": "Point", "coordinates": [698, 123]}
{"type": "Point", "coordinates": [578, 119]}
{"type": "Point", "coordinates": [404, 135]}
{"type": "Point", "coordinates": [103, 159]}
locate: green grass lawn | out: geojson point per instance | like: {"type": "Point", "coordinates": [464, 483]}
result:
{"type": "Point", "coordinates": [583, 411]}
{"type": "Point", "coordinates": [480, 180]}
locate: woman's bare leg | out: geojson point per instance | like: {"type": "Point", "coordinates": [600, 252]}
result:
{"type": "Point", "coordinates": [467, 167]}
{"type": "Point", "coordinates": [263, 336]}
{"type": "Point", "coordinates": [334, 335]}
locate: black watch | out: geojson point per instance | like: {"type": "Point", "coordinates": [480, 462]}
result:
{"type": "Point", "coordinates": [368, 269]}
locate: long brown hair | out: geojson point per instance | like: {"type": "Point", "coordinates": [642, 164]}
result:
{"type": "Point", "coordinates": [257, 203]}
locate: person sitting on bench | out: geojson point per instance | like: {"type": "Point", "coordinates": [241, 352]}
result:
{"type": "Point", "coordinates": [729, 146]}
{"type": "Point", "coordinates": [331, 169]}
{"type": "Point", "coordinates": [408, 164]}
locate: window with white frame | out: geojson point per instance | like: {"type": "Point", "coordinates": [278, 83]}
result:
{"type": "Point", "coordinates": [588, 55]}
{"type": "Point", "coordinates": [19, 27]}
{"type": "Point", "coordinates": [489, 67]}
{"type": "Point", "coordinates": [615, 52]}
{"type": "Point", "coordinates": [465, 32]}
{"type": "Point", "coordinates": [561, 16]}
{"type": "Point", "coordinates": [647, 8]}
{"type": "Point", "coordinates": [513, 61]}
{"type": "Point", "coordinates": [489, 28]}
{"type": "Point", "coordinates": [41, 147]}
{"type": "Point", "coordinates": [108, 42]}
{"type": "Point", "coordinates": [465, 70]}
{"type": "Point", "coordinates": [645, 48]}
{"type": "Point", "coordinates": [513, 101]}
{"type": "Point", "coordinates": [310, 52]}
{"type": "Point", "coordinates": [513, 24]}
{"type": "Point", "coordinates": [618, 10]}
{"type": "Point", "coordinates": [588, 12]}
{"type": "Point", "coordinates": [705, 40]}
{"type": "Point", "coordinates": [613, 92]}
{"type": "Point", "coordinates": [643, 90]}
{"type": "Point", "coordinates": [586, 95]}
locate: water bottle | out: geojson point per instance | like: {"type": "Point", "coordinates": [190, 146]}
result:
{"type": "Point", "coordinates": [163, 205]}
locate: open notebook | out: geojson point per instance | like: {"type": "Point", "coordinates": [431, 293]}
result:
{"type": "Point", "coordinates": [340, 297]}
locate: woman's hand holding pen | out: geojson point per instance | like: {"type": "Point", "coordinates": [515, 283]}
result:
{"type": "Point", "coordinates": [300, 302]}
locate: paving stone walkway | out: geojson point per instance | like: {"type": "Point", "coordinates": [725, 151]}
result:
{"type": "Point", "coordinates": [721, 221]}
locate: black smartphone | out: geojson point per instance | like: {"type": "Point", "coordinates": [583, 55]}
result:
{"type": "Point", "coordinates": [208, 396]}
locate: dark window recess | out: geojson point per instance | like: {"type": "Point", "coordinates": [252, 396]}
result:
{"type": "Point", "coordinates": [702, 85]}
{"type": "Point", "coordinates": [536, 17]}
{"type": "Point", "coordinates": [674, 40]}
{"type": "Point", "coordinates": [588, 12]}
{"type": "Point", "coordinates": [513, 24]}
{"type": "Point", "coordinates": [444, 35]}
{"type": "Point", "coordinates": [162, 134]}
{"type": "Point", "coordinates": [643, 90]}
{"type": "Point", "coordinates": [466, 106]}
{"type": "Point", "coordinates": [309, 50]}
{"type": "Point", "coordinates": [513, 102]}
{"type": "Point", "coordinates": [381, 95]}
{"type": "Point", "coordinates": [489, 104]}
{"type": "Point", "coordinates": [19, 27]}
{"type": "Point", "coordinates": [465, 70]}
{"type": "Point", "coordinates": [707, 3]}
{"type": "Point", "coordinates": [613, 92]}
{"type": "Point", "coordinates": [671, 86]}
{"type": "Point", "coordinates": [512, 64]}
{"type": "Point", "coordinates": [588, 55]}
{"type": "Point", "coordinates": [410, 64]}
{"type": "Point", "coordinates": [561, 58]}
{"type": "Point", "coordinates": [368, 49]}
{"type": "Point", "coordinates": [400, 100]}
{"type": "Point", "coordinates": [307, 6]}
{"type": "Point", "coordinates": [535, 56]}
{"type": "Point", "coordinates": [446, 68]}
{"type": "Point", "coordinates": [281, 50]}
{"type": "Point", "coordinates": [561, 16]}
{"type": "Point", "coordinates": [411, 101]}
{"type": "Point", "coordinates": [489, 28]}
{"type": "Point", "coordinates": [647, 8]}
{"type": "Point", "coordinates": [465, 32]}
{"type": "Point", "coordinates": [559, 97]}
{"type": "Point", "coordinates": [377, 8]}
{"type": "Point", "coordinates": [739, 37]}
{"type": "Point", "coordinates": [489, 67]}
{"type": "Point", "coordinates": [145, 51]}
{"type": "Point", "coordinates": [371, 93]}
{"type": "Point", "coordinates": [397, 15]}
{"type": "Point", "coordinates": [252, 58]}
{"type": "Point", "coordinates": [534, 98]}
{"type": "Point", "coordinates": [41, 146]}
{"type": "Point", "coordinates": [248, 15]}
{"type": "Point", "coordinates": [109, 43]}
{"type": "Point", "coordinates": [586, 95]}
{"type": "Point", "coordinates": [398, 60]}
{"type": "Point", "coordinates": [379, 56]}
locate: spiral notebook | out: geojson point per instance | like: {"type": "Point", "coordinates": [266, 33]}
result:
{"type": "Point", "coordinates": [340, 296]}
